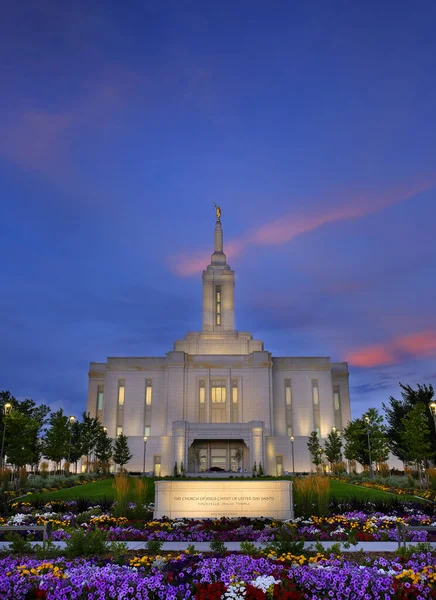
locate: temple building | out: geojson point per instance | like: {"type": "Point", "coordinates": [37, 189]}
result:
{"type": "Point", "coordinates": [219, 390]}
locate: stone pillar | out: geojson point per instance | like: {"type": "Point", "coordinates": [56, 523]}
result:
{"type": "Point", "coordinates": [179, 444]}
{"type": "Point", "coordinates": [257, 443]}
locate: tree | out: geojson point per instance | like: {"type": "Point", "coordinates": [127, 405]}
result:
{"type": "Point", "coordinates": [90, 428]}
{"type": "Point", "coordinates": [416, 437]}
{"type": "Point", "coordinates": [356, 435]}
{"type": "Point", "coordinates": [103, 450]}
{"type": "Point", "coordinates": [57, 437]}
{"type": "Point", "coordinates": [239, 455]}
{"type": "Point", "coordinates": [332, 448]}
{"type": "Point", "coordinates": [194, 456]}
{"type": "Point", "coordinates": [20, 430]}
{"type": "Point", "coordinates": [31, 436]}
{"type": "Point", "coordinates": [397, 410]}
{"type": "Point", "coordinates": [121, 453]}
{"type": "Point", "coordinates": [315, 449]}
{"type": "Point", "coordinates": [75, 443]}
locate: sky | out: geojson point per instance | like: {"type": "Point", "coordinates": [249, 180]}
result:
{"type": "Point", "coordinates": [312, 125]}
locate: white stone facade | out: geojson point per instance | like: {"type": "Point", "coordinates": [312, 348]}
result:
{"type": "Point", "coordinates": [219, 390]}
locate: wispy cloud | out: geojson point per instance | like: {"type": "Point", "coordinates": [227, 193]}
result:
{"type": "Point", "coordinates": [292, 225]}
{"type": "Point", "coordinates": [41, 141]}
{"type": "Point", "coordinates": [415, 345]}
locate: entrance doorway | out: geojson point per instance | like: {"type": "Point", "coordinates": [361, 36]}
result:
{"type": "Point", "coordinates": [229, 456]}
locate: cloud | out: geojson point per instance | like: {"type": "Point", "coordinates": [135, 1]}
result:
{"type": "Point", "coordinates": [420, 344]}
{"type": "Point", "coordinates": [41, 141]}
{"type": "Point", "coordinates": [290, 226]}
{"type": "Point", "coordinates": [37, 140]}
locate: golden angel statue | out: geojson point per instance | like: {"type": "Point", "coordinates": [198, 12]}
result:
{"type": "Point", "coordinates": [218, 212]}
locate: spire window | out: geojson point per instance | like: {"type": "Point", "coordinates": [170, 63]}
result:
{"type": "Point", "coordinates": [218, 306]}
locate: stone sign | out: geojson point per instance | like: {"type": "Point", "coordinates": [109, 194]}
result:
{"type": "Point", "coordinates": [212, 499]}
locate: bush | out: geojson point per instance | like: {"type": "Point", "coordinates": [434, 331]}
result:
{"type": "Point", "coordinates": [5, 477]}
{"type": "Point", "coordinates": [121, 487]}
{"type": "Point", "coordinates": [154, 546]}
{"type": "Point", "coordinates": [118, 551]}
{"type": "Point", "coordinates": [249, 548]}
{"type": "Point", "coordinates": [218, 546]}
{"type": "Point", "coordinates": [43, 468]}
{"type": "Point", "coordinates": [19, 543]}
{"type": "Point", "coordinates": [86, 544]}
{"type": "Point", "coordinates": [312, 495]}
{"type": "Point", "coordinates": [286, 542]}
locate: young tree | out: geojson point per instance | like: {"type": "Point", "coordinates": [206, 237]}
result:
{"type": "Point", "coordinates": [21, 433]}
{"type": "Point", "coordinates": [121, 453]}
{"type": "Point", "coordinates": [332, 448]}
{"type": "Point", "coordinates": [239, 455]}
{"type": "Point", "coordinates": [194, 456]}
{"type": "Point", "coordinates": [377, 436]}
{"type": "Point", "coordinates": [315, 449]}
{"type": "Point", "coordinates": [90, 428]}
{"type": "Point", "coordinates": [57, 437]}
{"type": "Point", "coordinates": [397, 410]}
{"type": "Point", "coordinates": [356, 442]}
{"type": "Point", "coordinates": [75, 443]}
{"type": "Point", "coordinates": [416, 434]}
{"type": "Point", "coordinates": [103, 450]}
{"type": "Point", "coordinates": [32, 438]}
{"type": "Point", "coordinates": [359, 431]}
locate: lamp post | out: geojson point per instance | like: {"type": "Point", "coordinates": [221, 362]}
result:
{"type": "Point", "coordinates": [6, 411]}
{"type": "Point", "coordinates": [293, 461]}
{"type": "Point", "coordinates": [71, 419]}
{"type": "Point", "coordinates": [371, 470]}
{"type": "Point", "coordinates": [145, 446]}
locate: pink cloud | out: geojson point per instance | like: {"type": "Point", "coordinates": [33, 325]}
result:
{"type": "Point", "coordinates": [289, 226]}
{"type": "Point", "coordinates": [41, 141]}
{"type": "Point", "coordinates": [37, 140]}
{"type": "Point", "coordinates": [420, 344]}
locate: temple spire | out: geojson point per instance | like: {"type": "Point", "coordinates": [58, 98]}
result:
{"type": "Point", "coordinates": [218, 286]}
{"type": "Point", "coordinates": [218, 256]}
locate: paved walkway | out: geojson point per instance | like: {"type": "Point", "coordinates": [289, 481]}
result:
{"type": "Point", "coordinates": [234, 546]}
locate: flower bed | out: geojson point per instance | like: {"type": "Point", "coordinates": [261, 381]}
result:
{"type": "Point", "coordinates": [219, 577]}
{"type": "Point", "coordinates": [349, 526]}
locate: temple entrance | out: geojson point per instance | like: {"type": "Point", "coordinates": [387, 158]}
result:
{"type": "Point", "coordinates": [226, 456]}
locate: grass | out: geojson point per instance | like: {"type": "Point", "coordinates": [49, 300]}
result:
{"type": "Point", "coordinates": [94, 490]}
{"type": "Point", "coordinates": [343, 491]}
{"type": "Point", "coordinates": [103, 487]}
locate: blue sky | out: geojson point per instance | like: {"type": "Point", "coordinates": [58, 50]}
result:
{"type": "Point", "coordinates": [311, 124]}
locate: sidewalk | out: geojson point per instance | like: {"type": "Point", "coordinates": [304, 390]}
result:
{"type": "Point", "coordinates": [235, 546]}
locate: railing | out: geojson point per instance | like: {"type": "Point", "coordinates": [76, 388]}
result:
{"type": "Point", "coordinates": [403, 529]}
{"type": "Point", "coordinates": [46, 530]}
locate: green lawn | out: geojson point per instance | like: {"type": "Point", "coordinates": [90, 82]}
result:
{"type": "Point", "coordinates": [94, 490]}
{"type": "Point", "coordinates": [343, 491]}
{"type": "Point", "coordinates": [98, 489]}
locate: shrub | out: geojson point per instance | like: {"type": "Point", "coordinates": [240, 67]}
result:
{"type": "Point", "coordinates": [154, 546]}
{"type": "Point", "coordinates": [286, 542]}
{"type": "Point", "coordinates": [249, 548]}
{"type": "Point", "coordinates": [312, 495]}
{"type": "Point", "coordinates": [86, 544]}
{"type": "Point", "coordinates": [43, 468]}
{"type": "Point", "coordinates": [82, 504]}
{"type": "Point", "coordinates": [5, 476]}
{"type": "Point", "coordinates": [105, 503]}
{"type": "Point", "coordinates": [140, 494]}
{"type": "Point", "coordinates": [23, 478]}
{"type": "Point", "coordinates": [121, 486]}
{"type": "Point", "coordinates": [218, 546]}
{"type": "Point", "coordinates": [19, 543]}
{"type": "Point", "coordinates": [118, 551]}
